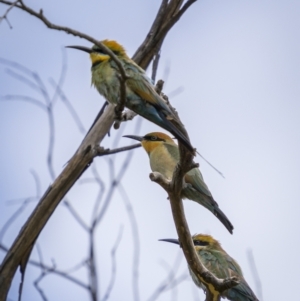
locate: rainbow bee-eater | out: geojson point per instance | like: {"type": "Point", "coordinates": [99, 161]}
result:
{"type": "Point", "coordinates": [223, 266]}
{"type": "Point", "coordinates": [141, 96]}
{"type": "Point", "coordinates": [163, 153]}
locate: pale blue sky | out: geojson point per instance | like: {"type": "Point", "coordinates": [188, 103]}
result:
{"type": "Point", "coordinates": [238, 65]}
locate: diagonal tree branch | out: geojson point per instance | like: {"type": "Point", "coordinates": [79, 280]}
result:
{"type": "Point", "coordinates": [20, 250]}
{"type": "Point", "coordinates": [174, 188]}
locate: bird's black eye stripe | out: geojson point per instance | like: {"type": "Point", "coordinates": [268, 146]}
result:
{"type": "Point", "coordinates": [98, 50]}
{"type": "Point", "coordinates": [153, 138]}
{"type": "Point", "coordinates": [96, 64]}
{"type": "Point", "coordinates": [101, 51]}
{"type": "Point", "coordinates": [200, 243]}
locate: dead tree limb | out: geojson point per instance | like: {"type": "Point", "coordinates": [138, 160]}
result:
{"type": "Point", "coordinates": [18, 254]}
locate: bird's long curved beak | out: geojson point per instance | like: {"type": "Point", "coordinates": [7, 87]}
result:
{"type": "Point", "coordinates": [172, 240]}
{"type": "Point", "coordinates": [85, 49]}
{"type": "Point", "coordinates": [138, 138]}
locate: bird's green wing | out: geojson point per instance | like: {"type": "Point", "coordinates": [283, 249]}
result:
{"type": "Point", "coordinates": [223, 266]}
{"type": "Point", "coordinates": [173, 151]}
{"type": "Point", "coordinates": [215, 263]}
{"type": "Point", "coordinates": [195, 178]}
{"type": "Point", "coordinates": [242, 291]}
{"type": "Point", "coordinates": [141, 84]}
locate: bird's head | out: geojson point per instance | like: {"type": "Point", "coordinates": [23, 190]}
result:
{"type": "Point", "coordinates": [152, 140]}
{"type": "Point", "coordinates": [201, 242]}
{"type": "Point", "coordinates": [97, 55]}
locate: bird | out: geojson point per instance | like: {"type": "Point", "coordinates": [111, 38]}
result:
{"type": "Point", "coordinates": [221, 265]}
{"type": "Point", "coordinates": [163, 154]}
{"type": "Point", "coordinates": [141, 96]}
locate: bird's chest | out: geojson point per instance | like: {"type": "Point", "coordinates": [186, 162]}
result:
{"type": "Point", "coordinates": [105, 79]}
{"type": "Point", "coordinates": [162, 162]}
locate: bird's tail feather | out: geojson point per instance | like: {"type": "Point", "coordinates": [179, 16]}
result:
{"type": "Point", "coordinates": [176, 132]}
{"type": "Point", "coordinates": [209, 203]}
{"type": "Point", "coordinates": [223, 218]}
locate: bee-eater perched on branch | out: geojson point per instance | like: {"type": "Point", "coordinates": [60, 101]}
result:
{"type": "Point", "coordinates": [164, 155]}
{"type": "Point", "coordinates": [141, 96]}
{"type": "Point", "coordinates": [219, 263]}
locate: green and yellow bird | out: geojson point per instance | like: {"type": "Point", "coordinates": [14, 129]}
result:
{"type": "Point", "coordinates": [163, 153]}
{"type": "Point", "coordinates": [141, 96]}
{"type": "Point", "coordinates": [219, 263]}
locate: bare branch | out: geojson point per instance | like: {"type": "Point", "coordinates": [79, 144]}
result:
{"type": "Point", "coordinates": [58, 87]}
{"type": "Point", "coordinates": [174, 189]}
{"type": "Point", "coordinates": [170, 281]}
{"type": "Point", "coordinates": [105, 152]}
{"type": "Point", "coordinates": [76, 215]}
{"type": "Point", "coordinates": [7, 11]}
{"type": "Point", "coordinates": [69, 106]}
{"type": "Point", "coordinates": [38, 288]}
{"type": "Point", "coordinates": [114, 183]}
{"type": "Point", "coordinates": [13, 218]}
{"type": "Point", "coordinates": [42, 275]}
{"type": "Point", "coordinates": [101, 184]}
{"type": "Point", "coordinates": [33, 80]}
{"type": "Point", "coordinates": [155, 66]}
{"type": "Point", "coordinates": [23, 79]}
{"type": "Point", "coordinates": [92, 270]}
{"type": "Point", "coordinates": [23, 98]}
{"type": "Point", "coordinates": [52, 270]}
{"type": "Point", "coordinates": [20, 250]}
{"type": "Point", "coordinates": [163, 22]}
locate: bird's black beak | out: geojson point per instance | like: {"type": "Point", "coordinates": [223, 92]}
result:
{"type": "Point", "coordinates": [172, 240]}
{"type": "Point", "coordinates": [85, 49]}
{"type": "Point", "coordinates": [138, 138]}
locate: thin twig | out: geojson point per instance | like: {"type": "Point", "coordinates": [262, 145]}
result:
{"type": "Point", "coordinates": [136, 242]}
{"type": "Point", "coordinates": [25, 99]}
{"type": "Point", "coordinates": [76, 215]}
{"type": "Point", "coordinates": [92, 270]}
{"type": "Point", "coordinates": [170, 278]}
{"type": "Point", "coordinates": [101, 192]}
{"type": "Point", "coordinates": [41, 276]}
{"type": "Point", "coordinates": [113, 266]}
{"type": "Point", "coordinates": [255, 275]}
{"type": "Point", "coordinates": [68, 105]}
{"type": "Point", "coordinates": [105, 152]}
{"type": "Point", "coordinates": [6, 13]}
{"type": "Point", "coordinates": [23, 206]}
{"type": "Point", "coordinates": [58, 87]}
{"type": "Point", "coordinates": [53, 270]}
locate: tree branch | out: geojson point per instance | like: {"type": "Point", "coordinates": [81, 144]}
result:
{"type": "Point", "coordinates": [20, 250]}
{"type": "Point", "coordinates": [174, 188]}
{"type": "Point", "coordinates": [13, 4]}
{"type": "Point", "coordinates": [105, 152]}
